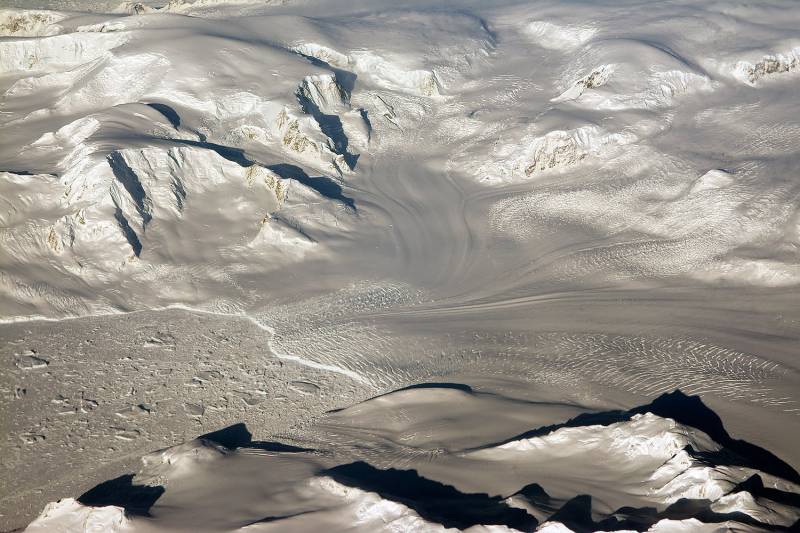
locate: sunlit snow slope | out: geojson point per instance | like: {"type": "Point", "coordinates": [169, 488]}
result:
{"type": "Point", "coordinates": [249, 211]}
{"type": "Point", "coordinates": [636, 470]}
{"type": "Point", "coordinates": [219, 145]}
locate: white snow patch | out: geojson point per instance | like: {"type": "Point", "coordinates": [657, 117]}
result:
{"type": "Point", "coordinates": [373, 513]}
{"type": "Point", "coordinates": [57, 52]}
{"type": "Point", "coordinates": [712, 180]}
{"type": "Point", "coordinates": [558, 37]}
{"type": "Point", "coordinates": [323, 53]}
{"type": "Point", "coordinates": [658, 89]}
{"type": "Point", "coordinates": [645, 435]}
{"type": "Point", "coordinates": [390, 75]}
{"type": "Point", "coordinates": [178, 461]}
{"type": "Point", "coordinates": [69, 516]}
{"type": "Point", "coordinates": [699, 483]}
{"type": "Point", "coordinates": [553, 527]}
{"type": "Point", "coordinates": [324, 91]}
{"type": "Point", "coordinates": [691, 525]}
{"type": "Point", "coordinates": [764, 511]}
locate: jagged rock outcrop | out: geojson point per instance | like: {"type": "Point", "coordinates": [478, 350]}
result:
{"type": "Point", "coordinates": [29, 23]}
{"type": "Point", "coordinates": [768, 66]}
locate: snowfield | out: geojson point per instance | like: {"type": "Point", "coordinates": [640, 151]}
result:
{"type": "Point", "coordinates": [379, 267]}
{"type": "Point", "coordinates": [648, 472]}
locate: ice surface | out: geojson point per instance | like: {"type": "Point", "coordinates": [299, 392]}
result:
{"type": "Point", "coordinates": [245, 211]}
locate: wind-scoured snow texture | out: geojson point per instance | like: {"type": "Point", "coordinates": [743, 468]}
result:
{"type": "Point", "coordinates": [380, 71]}
{"type": "Point", "coordinates": [59, 52]}
{"type": "Point", "coordinates": [645, 442]}
{"type": "Point", "coordinates": [613, 471]}
{"type": "Point", "coordinates": [557, 36]}
{"type": "Point", "coordinates": [153, 204]}
{"type": "Point", "coordinates": [141, 152]}
{"type": "Point", "coordinates": [595, 196]}
{"type": "Point", "coordinates": [110, 106]}
{"type": "Point", "coordinates": [613, 108]}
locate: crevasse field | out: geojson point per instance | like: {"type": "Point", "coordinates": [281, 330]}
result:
{"type": "Point", "coordinates": [318, 265]}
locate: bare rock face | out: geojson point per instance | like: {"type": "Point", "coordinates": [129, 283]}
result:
{"type": "Point", "coordinates": [596, 78]}
{"type": "Point", "coordinates": [29, 23]}
{"type": "Point", "coordinates": [564, 149]}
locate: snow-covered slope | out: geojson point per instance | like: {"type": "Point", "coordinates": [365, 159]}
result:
{"type": "Point", "coordinates": [256, 211]}
{"type": "Point", "coordinates": [595, 113]}
{"type": "Point", "coordinates": [129, 134]}
{"type": "Point", "coordinates": [634, 471]}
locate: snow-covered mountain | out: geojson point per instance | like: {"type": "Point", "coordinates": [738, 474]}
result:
{"type": "Point", "coordinates": [625, 129]}
{"type": "Point", "coordinates": [260, 211]}
{"type": "Point", "coordinates": [636, 470]}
